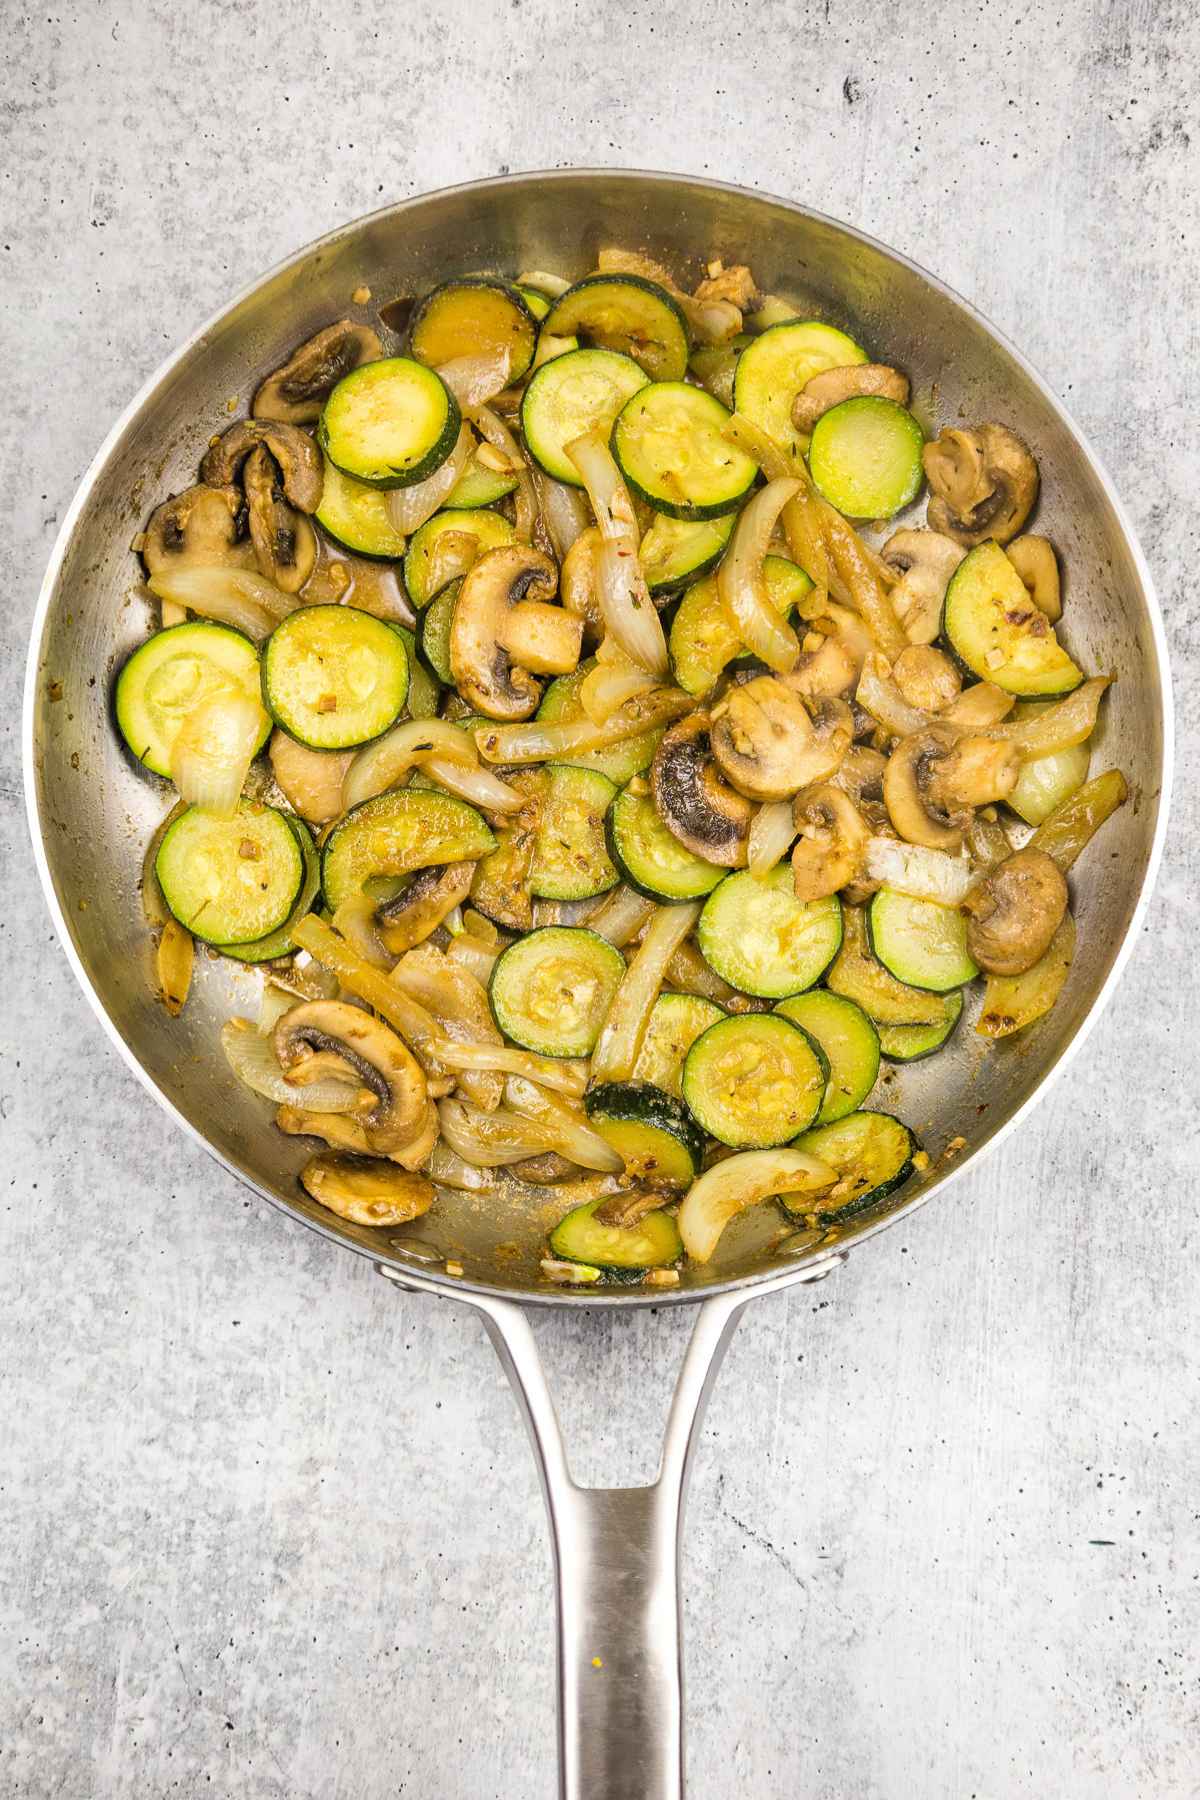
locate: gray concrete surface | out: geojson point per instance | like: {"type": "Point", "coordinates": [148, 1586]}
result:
{"type": "Point", "coordinates": [268, 1528]}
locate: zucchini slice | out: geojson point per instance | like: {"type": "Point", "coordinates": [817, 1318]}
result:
{"type": "Point", "coordinates": [570, 861]}
{"type": "Point", "coordinates": [754, 1080]}
{"type": "Point", "coordinates": [996, 631]}
{"type": "Point", "coordinates": [865, 457]}
{"type": "Point", "coordinates": [396, 832]}
{"type": "Point", "coordinates": [500, 886]}
{"type": "Point", "coordinates": [677, 551]}
{"type": "Point", "coordinates": [230, 881]}
{"type": "Point", "coordinates": [424, 691]}
{"type": "Point", "coordinates": [389, 423]}
{"type": "Point", "coordinates": [579, 391]}
{"type": "Point", "coordinates": [772, 370]}
{"type": "Point", "coordinates": [173, 673]}
{"type": "Point", "coordinates": [850, 1042]}
{"type": "Point", "coordinates": [333, 676]}
{"type": "Point", "coordinates": [668, 441]}
{"type": "Point", "coordinates": [704, 639]}
{"type": "Point", "coordinates": [434, 629]}
{"type": "Point", "coordinates": [355, 515]}
{"type": "Point", "coordinates": [628, 314]}
{"type": "Point", "coordinates": [873, 1155]}
{"type": "Point", "coordinates": [909, 1043]}
{"type": "Point", "coordinates": [551, 991]}
{"type": "Point", "coordinates": [920, 942]}
{"type": "Point", "coordinates": [857, 975]}
{"type": "Point", "coordinates": [538, 303]}
{"type": "Point", "coordinates": [478, 486]}
{"type": "Point", "coordinates": [650, 1129]}
{"type": "Point", "coordinates": [620, 762]}
{"type": "Point", "coordinates": [280, 942]}
{"type": "Point", "coordinates": [480, 316]}
{"type": "Point", "coordinates": [676, 1021]}
{"type": "Point", "coordinates": [650, 858]}
{"type": "Point", "coordinates": [426, 571]}
{"type": "Point", "coordinates": [1046, 781]}
{"type": "Point", "coordinates": [761, 939]}
{"type": "Point", "coordinates": [652, 1243]}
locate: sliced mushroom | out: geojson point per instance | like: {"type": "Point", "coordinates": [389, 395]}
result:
{"type": "Point", "coordinates": [422, 904]}
{"type": "Point", "coordinates": [984, 483]}
{"type": "Point", "coordinates": [285, 544]}
{"type": "Point", "coordinates": [579, 594]}
{"type": "Point", "coordinates": [978, 771]}
{"type": "Point", "coordinates": [693, 801]}
{"type": "Point", "coordinates": [205, 526]}
{"type": "Point", "coordinates": [625, 1209]}
{"type": "Point", "coordinates": [311, 779]}
{"type": "Point", "coordinates": [734, 285]}
{"type": "Point", "coordinates": [300, 468]}
{"type": "Point", "coordinates": [770, 741]}
{"type": "Point", "coordinates": [1035, 562]}
{"type": "Point", "coordinates": [832, 386]}
{"type": "Point", "coordinates": [926, 561]}
{"type": "Point", "coordinates": [366, 1192]}
{"type": "Point", "coordinates": [832, 843]}
{"type": "Point", "coordinates": [934, 779]}
{"type": "Point", "coordinates": [827, 672]}
{"type": "Point", "coordinates": [338, 1130]}
{"type": "Point", "coordinates": [504, 632]}
{"type": "Point", "coordinates": [926, 678]}
{"type": "Point", "coordinates": [1014, 912]}
{"type": "Point", "coordinates": [295, 393]}
{"type": "Point", "coordinates": [381, 1060]}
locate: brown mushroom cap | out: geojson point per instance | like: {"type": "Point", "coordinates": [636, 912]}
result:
{"type": "Point", "coordinates": [770, 741]}
{"type": "Point", "coordinates": [366, 1191]}
{"type": "Point", "coordinates": [692, 800]}
{"type": "Point", "coordinates": [295, 393]}
{"type": "Point", "coordinates": [380, 1058]}
{"type": "Point", "coordinates": [578, 582]}
{"type": "Point", "coordinates": [1014, 912]}
{"type": "Point", "coordinates": [927, 678]}
{"type": "Point", "coordinates": [285, 544]}
{"type": "Point", "coordinates": [984, 483]}
{"type": "Point", "coordinates": [926, 561]}
{"type": "Point", "coordinates": [1035, 562]}
{"type": "Point", "coordinates": [203, 526]}
{"type": "Point", "coordinates": [832, 386]}
{"type": "Point", "coordinates": [935, 779]}
{"type": "Point", "coordinates": [978, 771]}
{"type": "Point", "coordinates": [504, 631]}
{"type": "Point", "coordinates": [300, 467]}
{"type": "Point", "coordinates": [832, 843]}
{"type": "Point", "coordinates": [422, 904]}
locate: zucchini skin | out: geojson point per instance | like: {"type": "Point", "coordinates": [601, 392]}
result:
{"type": "Point", "coordinates": [279, 942]}
{"type": "Point", "coordinates": [666, 361]}
{"type": "Point", "coordinates": [630, 456]}
{"type": "Point", "coordinates": [957, 609]}
{"type": "Point", "coordinates": [464, 285]}
{"type": "Point", "coordinates": [913, 1043]}
{"type": "Point", "coordinates": [634, 870]}
{"type": "Point", "coordinates": [343, 621]}
{"type": "Point", "coordinates": [812, 1142]}
{"type": "Point", "coordinates": [777, 1039]}
{"type": "Point", "coordinates": [517, 964]}
{"type": "Point", "coordinates": [653, 1243]}
{"type": "Point", "coordinates": [128, 685]}
{"type": "Point", "coordinates": [876, 932]}
{"type": "Point", "coordinates": [639, 1103]}
{"type": "Point", "coordinates": [445, 828]}
{"type": "Point", "coordinates": [330, 431]}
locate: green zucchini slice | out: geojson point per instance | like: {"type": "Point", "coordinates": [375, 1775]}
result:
{"type": "Point", "coordinates": [920, 942]}
{"type": "Point", "coordinates": [173, 673]}
{"type": "Point", "coordinates": [426, 571]}
{"type": "Point", "coordinates": [668, 441]}
{"type": "Point", "coordinates": [650, 858]}
{"type": "Point", "coordinates": [280, 941]}
{"type": "Point", "coordinates": [652, 1243]}
{"type": "Point", "coordinates": [424, 690]}
{"type": "Point", "coordinates": [478, 486]}
{"type": "Point", "coordinates": [355, 515]}
{"type": "Point", "coordinates": [480, 316]}
{"type": "Point", "coordinates": [434, 630]}
{"type": "Point", "coordinates": [577, 392]}
{"type": "Point", "coordinates": [873, 1155]}
{"type": "Point", "coordinates": [995, 630]}
{"type": "Point", "coordinates": [551, 991]}
{"type": "Point", "coordinates": [230, 881]}
{"type": "Point", "coordinates": [650, 1129]}
{"type": "Point", "coordinates": [704, 639]}
{"type": "Point", "coordinates": [570, 861]}
{"type": "Point", "coordinates": [333, 677]}
{"type": "Point", "coordinates": [754, 1080]}
{"type": "Point", "coordinates": [677, 551]}
{"type": "Point", "coordinates": [772, 370]}
{"type": "Point", "coordinates": [538, 303]}
{"type": "Point", "coordinates": [865, 457]}
{"type": "Point", "coordinates": [857, 975]}
{"type": "Point", "coordinates": [628, 314]}
{"type": "Point", "coordinates": [389, 423]}
{"type": "Point", "coordinates": [620, 762]}
{"type": "Point", "coordinates": [909, 1043]}
{"type": "Point", "coordinates": [761, 939]}
{"type": "Point", "coordinates": [397, 832]}
{"type": "Point", "coordinates": [850, 1042]}
{"type": "Point", "coordinates": [676, 1021]}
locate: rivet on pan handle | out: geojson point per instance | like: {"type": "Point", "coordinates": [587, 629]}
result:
{"type": "Point", "coordinates": [616, 1559]}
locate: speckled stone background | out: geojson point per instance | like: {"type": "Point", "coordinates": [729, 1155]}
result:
{"type": "Point", "coordinates": [267, 1527]}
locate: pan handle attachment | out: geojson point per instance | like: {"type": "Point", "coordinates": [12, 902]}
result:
{"type": "Point", "coordinates": [616, 1561]}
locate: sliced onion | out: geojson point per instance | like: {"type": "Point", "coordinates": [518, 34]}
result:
{"type": "Point", "coordinates": [623, 914]}
{"type": "Point", "coordinates": [912, 869]}
{"type": "Point", "coordinates": [1072, 721]}
{"type": "Point", "coordinates": [381, 765]}
{"type": "Point", "coordinates": [252, 1058]}
{"type": "Point", "coordinates": [623, 1030]}
{"type": "Point", "coordinates": [688, 973]}
{"type": "Point", "coordinates": [987, 841]}
{"type": "Point", "coordinates": [234, 597]}
{"type": "Point", "coordinates": [553, 285]}
{"type": "Point", "coordinates": [625, 604]}
{"type": "Point", "coordinates": [867, 592]}
{"type": "Point", "coordinates": [878, 694]}
{"type": "Point", "coordinates": [174, 961]}
{"type": "Point", "coordinates": [409, 507]}
{"type": "Point", "coordinates": [574, 1137]}
{"type": "Point", "coordinates": [417, 1027]}
{"type": "Point", "coordinates": [355, 920]}
{"type": "Point", "coordinates": [800, 519]}
{"type": "Point", "coordinates": [565, 1076]}
{"type": "Point", "coordinates": [1072, 825]}
{"type": "Point", "coordinates": [978, 707]}
{"type": "Point", "coordinates": [459, 1004]}
{"type": "Point", "coordinates": [171, 613]}
{"type": "Point", "coordinates": [491, 1139]}
{"type": "Point", "coordinates": [478, 958]}
{"type": "Point", "coordinates": [493, 428]}
{"type": "Point", "coordinates": [474, 380]}
{"type": "Point", "coordinates": [212, 753]}
{"type": "Point", "coordinates": [741, 1181]}
{"type": "Point", "coordinates": [477, 785]}
{"type": "Point", "coordinates": [1010, 1002]}
{"type": "Point", "coordinates": [772, 833]}
{"type": "Point", "coordinates": [564, 509]}
{"type": "Point", "coordinates": [273, 1003]}
{"type": "Point", "coordinates": [535, 742]}
{"type": "Point", "coordinates": [742, 586]}
{"type": "Point", "coordinates": [605, 689]}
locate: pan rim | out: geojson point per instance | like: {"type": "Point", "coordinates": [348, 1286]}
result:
{"type": "Point", "coordinates": [431, 1276]}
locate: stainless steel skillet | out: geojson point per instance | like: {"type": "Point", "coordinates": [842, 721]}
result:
{"type": "Point", "coordinates": [615, 1550]}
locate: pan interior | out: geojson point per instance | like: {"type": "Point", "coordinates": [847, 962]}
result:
{"type": "Point", "coordinates": [95, 812]}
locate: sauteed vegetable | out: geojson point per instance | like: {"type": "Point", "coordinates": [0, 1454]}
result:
{"type": "Point", "coordinates": [604, 787]}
